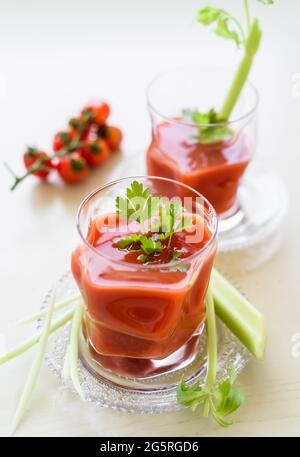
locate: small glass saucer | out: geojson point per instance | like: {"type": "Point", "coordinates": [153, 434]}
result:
{"type": "Point", "coordinates": [256, 234]}
{"type": "Point", "coordinates": [147, 395]}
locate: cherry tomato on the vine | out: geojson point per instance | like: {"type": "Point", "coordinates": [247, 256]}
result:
{"type": "Point", "coordinates": [81, 126]}
{"type": "Point", "coordinates": [98, 110]}
{"type": "Point", "coordinates": [34, 156]}
{"type": "Point", "coordinates": [86, 142]}
{"type": "Point", "coordinates": [112, 135]}
{"type": "Point", "coordinates": [72, 168]}
{"type": "Point", "coordinates": [63, 139]}
{"type": "Point", "coordinates": [95, 151]}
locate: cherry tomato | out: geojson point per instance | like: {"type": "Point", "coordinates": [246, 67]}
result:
{"type": "Point", "coordinates": [98, 111]}
{"type": "Point", "coordinates": [95, 151]}
{"type": "Point", "coordinates": [112, 135]}
{"type": "Point", "coordinates": [63, 139]}
{"type": "Point", "coordinates": [72, 168]}
{"type": "Point", "coordinates": [32, 157]}
{"type": "Point", "coordinates": [81, 126]}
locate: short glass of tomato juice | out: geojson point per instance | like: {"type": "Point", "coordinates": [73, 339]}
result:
{"type": "Point", "coordinates": [144, 313]}
{"type": "Point", "coordinates": [208, 156]}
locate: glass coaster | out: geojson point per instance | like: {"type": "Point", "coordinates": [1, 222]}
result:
{"type": "Point", "coordinates": [148, 395]}
{"type": "Point", "coordinates": [253, 234]}
{"type": "Point", "coordinates": [256, 236]}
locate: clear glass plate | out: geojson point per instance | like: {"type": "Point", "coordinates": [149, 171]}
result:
{"type": "Point", "coordinates": [154, 395]}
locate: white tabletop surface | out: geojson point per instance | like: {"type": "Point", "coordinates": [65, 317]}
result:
{"type": "Point", "coordinates": [55, 56]}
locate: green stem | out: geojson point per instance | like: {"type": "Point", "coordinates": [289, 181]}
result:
{"type": "Point", "coordinates": [42, 313]}
{"type": "Point", "coordinates": [34, 372]}
{"type": "Point", "coordinates": [170, 239]}
{"type": "Point", "coordinates": [39, 163]}
{"type": "Point", "coordinates": [34, 339]}
{"type": "Point", "coordinates": [251, 47]}
{"type": "Point", "coordinates": [240, 28]}
{"type": "Point", "coordinates": [66, 366]}
{"type": "Point", "coordinates": [248, 20]}
{"type": "Point", "coordinates": [212, 352]}
{"type": "Point", "coordinates": [211, 340]}
{"type": "Point", "coordinates": [73, 351]}
{"type": "Point", "coordinates": [37, 166]}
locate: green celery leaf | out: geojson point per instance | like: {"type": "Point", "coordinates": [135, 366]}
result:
{"type": "Point", "coordinates": [223, 30]}
{"type": "Point", "coordinates": [208, 15]}
{"type": "Point", "coordinates": [229, 398]}
{"type": "Point", "coordinates": [227, 26]}
{"type": "Point", "coordinates": [191, 395]}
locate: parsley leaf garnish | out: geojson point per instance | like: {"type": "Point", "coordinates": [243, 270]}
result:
{"type": "Point", "coordinates": [149, 246]}
{"type": "Point", "coordinates": [135, 204]}
{"type": "Point", "coordinates": [175, 257]}
{"type": "Point", "coordinates": [208, 129]}
{"type": "Point", "coordinates": [155, 214]}
{"type": "Point", "coordinates": [128, 240]}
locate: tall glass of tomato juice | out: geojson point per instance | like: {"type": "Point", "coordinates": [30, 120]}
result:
{"type": "Point", "coordinates": [212, 164]}
{"type": "Point", "coordinates": [142, 319]}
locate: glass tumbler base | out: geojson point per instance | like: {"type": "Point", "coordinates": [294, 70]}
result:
{"type": "Point", "coordinates": [149, 395]}
{"type": "Point", "coordinates": [145, 374]}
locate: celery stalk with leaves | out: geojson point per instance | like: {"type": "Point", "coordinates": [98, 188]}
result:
{"type": "Point", "coordinates": [212, 126]}
{"type": "Point", "coordinates": [221, 400]}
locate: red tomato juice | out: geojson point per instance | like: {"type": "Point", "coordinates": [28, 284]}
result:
{"type": "Point", "coordinates": [214, 170]}
{"type": "Point", "coordinates": [137, 311]}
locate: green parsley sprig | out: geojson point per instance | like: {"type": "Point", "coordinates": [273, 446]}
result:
{"type": "Point", "coordinates": [211, 128]}
{"type": "Point", "coordinates": [136, 205]}
{"type": "Point", "coordinates": [181, 267]}
{"type": "Point", "coordinates": [150, 247]}
{"type": "Point", "coordinates": [165, 218]}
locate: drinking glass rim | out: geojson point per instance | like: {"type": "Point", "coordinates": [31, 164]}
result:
{"type": "Point", "coordinates": [171, 120]}
{"type": "Point", "coordinates": [146, 266]}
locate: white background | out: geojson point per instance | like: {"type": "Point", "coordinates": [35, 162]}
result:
{"type": "Point", "coordinates": [53, 57]}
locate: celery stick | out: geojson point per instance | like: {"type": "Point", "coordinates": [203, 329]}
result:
{"type": "Point", "coordinates": [43, 312]}
{"type": "Point", "coordinates": [66, 366]}
{"type": "Point", "coordinates": [73, 352]}
{"type": "Point", "coordinates": [212, 351]}
{"type": "Point", "coordinates": [34, 372]}
{"type": "Point", "coordinates": [245, 321]}
{"type": "Point", "coordinates": [251, 47]}
{"type": "Point", "coordinates": [34, 339]}
{"type": "Point", "coordinates": [211, 340]}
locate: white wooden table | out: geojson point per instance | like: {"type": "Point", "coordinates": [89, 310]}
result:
{"type": "Point", "coordinates": [55, 56]}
